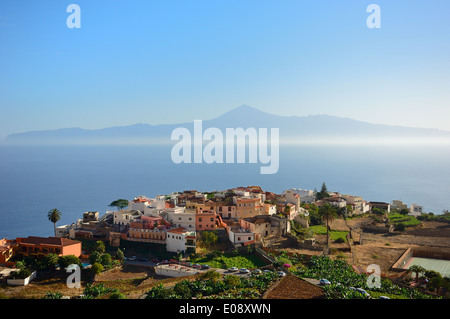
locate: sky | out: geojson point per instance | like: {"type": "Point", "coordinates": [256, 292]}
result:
{"type": "Point", "coordinates": [172, 61]}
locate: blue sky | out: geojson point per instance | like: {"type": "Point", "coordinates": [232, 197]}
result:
{"type": "Point", "coordinates": [171, 61]}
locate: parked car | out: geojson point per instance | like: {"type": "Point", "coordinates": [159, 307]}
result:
{"type": "Point", "coordinates": [244, 271]}
{"type": "Point", "coordinates": [281, 273]}
{"type": "Point", "coordinates": [266, 271]}
{"type": "Point", "coordinates": [155, 260]}
{"type": "Point", "coordinates": [233, 269]}
{"type": "Point", "coordinates": [197, 266]}
{"type": "Point", "coordinates": [362, 291]}
{"type": "Point", "coordinates": [205, 267]}
{"type": "Point", "coordinates": [324, 282]}
{"type": "Point", "coordinates": [257, 272]}
{"type": "Point", "coordinates": [384, 297]}
{"type": "Point", "coordinates": [186, 264]}
{"type": "Point", "coordinates": [143, 259]}
{"type": "Point", "coordinates": [132, 258]}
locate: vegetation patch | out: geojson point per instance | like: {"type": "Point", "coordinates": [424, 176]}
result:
{"type": "Point", "coordinates": [339, 236]}
{"type": "Point", "coordinates": [228, 260]}
{"type": "Point", "coordinates": [407, 220]}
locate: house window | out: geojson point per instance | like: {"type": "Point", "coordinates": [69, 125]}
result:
{"type": "Point", "coordinates": [249, 238]}
{"type": "Point", "coordinates": [199, 219]}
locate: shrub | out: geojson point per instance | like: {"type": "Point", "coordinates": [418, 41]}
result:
{"type": "Point", "coordinates": [210, 275]}
{"type": "Point", "coordinates": [97, 268]}
{"type": "Point", "coordinates": [119, 254]}
{"type": "Point", "coordinates": [97, 290]}
{"type": "Point", "coordinates": [66, 261]}
{"type": "Point", "coordinates": [95, 257]}
{"type": "Point", "coordinates": [53, 295]}
{"type": "Point", "coordinates": [117, 295]}
{"type": "Point", "coordinates": [20, 274]}
{"type": "Point", "coordinates": [400, 227]}
{"type": "Point", "coordinates": [99, 246]}
{"type": "Point", "coordinates": [106, 260]}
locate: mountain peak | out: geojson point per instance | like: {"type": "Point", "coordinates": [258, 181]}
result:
{"type": "Point", "coordinates": [243, 111]}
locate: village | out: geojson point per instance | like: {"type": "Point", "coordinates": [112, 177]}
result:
{"type": "Point", "coordinates": [297, 244]}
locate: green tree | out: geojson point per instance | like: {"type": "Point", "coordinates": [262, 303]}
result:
{"type": "Point", "coordinates": [54, 215]}
{"type": "Point", "coordinates": [400, 227]}
{"type": "Point", "coordinates": [327, 213]}
{"type": "Point", "coordinates": [66, 261]}
{"type": "Point", "coordinates": [97, 268]}
{"type": "Point", "coordinates": [99, 247]}
{"type": "Point", "coordinates": [404, 211]}
{"type": "Point", "coordinates": [209, 238]}
{"type": "Point", "coordinates": [182, 289]}
{"type": "Point", "coordinates": [95, 257]}
{"type": "Point", "coordinates": [50, 261]}
{"type": "Point", "coordinates": [323, 192]}
{"type": "Point", "coordinates": [418, 270]}
{"type": "Point", "coordinates": [119, 254]}
{"type": "Point", "coordinates": [106, 260]}
{"type": "Point", "coordinates": [119, 204]}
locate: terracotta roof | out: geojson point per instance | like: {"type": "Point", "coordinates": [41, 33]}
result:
{"type": "Point", "coordinates": [179, 230]}
{"type": "Point", "coordinates": [54, 241]}
{"type": "Point", "coordinates": [140, 200]}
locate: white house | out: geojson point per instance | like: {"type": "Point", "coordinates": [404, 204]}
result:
{"type": "Point", "coordinates": [357, 202]}
{"type": "Point", "coordinates": [63, 231]}
{"type": "Point", "coordinates": [122, 218]}
{"type": "Point", "coordinates": [179, 218]}
{"type": "Point", "coordinates": [139, 203]}
{"type": "Point", "coordinates": [180, 240]}
{"type": "Point", "coordinates": [306, 196]}
{"type": "Point", "coordinates": [270, 209]}
{"type": "Point", "coordinates": [415, 210]}
{"type": "Point", "coordinates": [240, 236]}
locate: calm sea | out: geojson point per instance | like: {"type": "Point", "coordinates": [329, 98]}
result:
{"type": "Point", "coordinates": [75, 179]}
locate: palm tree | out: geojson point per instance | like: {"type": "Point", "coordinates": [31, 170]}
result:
{"type": "Point", "coordinates": [54, 215]}
{"type": "Point", "coordinates": [327, 214]}
{"type": "Point", "coordinates": [417, 270]}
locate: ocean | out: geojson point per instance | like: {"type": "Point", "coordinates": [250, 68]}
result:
{"type": "Point", "coordinates": [75, 179]}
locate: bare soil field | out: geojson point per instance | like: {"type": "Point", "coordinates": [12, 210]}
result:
{"type": "Point", "coordinates": [385, 249]}
{"type": "Point", "coordinates": [291, 287]}
{"type": "Point", "coordinates": [132, 283]}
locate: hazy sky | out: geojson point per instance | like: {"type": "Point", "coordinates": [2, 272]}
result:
{"type": "Point", "coordinates": [168, 61]}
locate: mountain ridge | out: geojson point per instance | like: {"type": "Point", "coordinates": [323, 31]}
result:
{"type": "Point", "coordinates": [291, 128]}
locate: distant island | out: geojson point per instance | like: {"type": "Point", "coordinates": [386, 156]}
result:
{"type": "Point", "coordinates": [293, 129]}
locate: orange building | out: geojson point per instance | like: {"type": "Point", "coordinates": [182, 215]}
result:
{"type": "Point", "coordinates": [249, 207]}
{"type": "Point", "coordinates": [205, 221]}
{"type": "Point", "coordinates": [41, 246]}
{"type": "Point", "coordinates": [6, 250]}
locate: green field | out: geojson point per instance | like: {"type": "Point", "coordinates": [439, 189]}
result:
{"type": "Point", "coordinates": [322, 230]}
{"type": "Point", "coordinates": [407, 220]}
{"type": "Point", "coordinates": [239, 261]}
